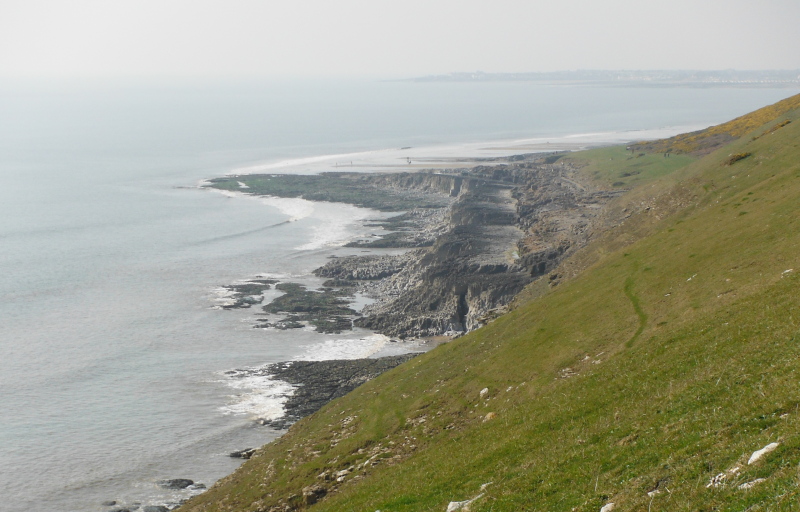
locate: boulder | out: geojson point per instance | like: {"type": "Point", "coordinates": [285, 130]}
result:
{"type": "Point", "coordinates": [175, 483]}
{"type": "Point", "coordinates": [763, 451]}
{"type": "Point", "coordinates": [313, 493]}
{"type": "Point", "coordinates": [243, 454]}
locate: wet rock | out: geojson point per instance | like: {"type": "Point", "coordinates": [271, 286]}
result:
{"type": "Point", "coordinates": [243, 454]}
{"type": "Point", "coordinates": [175, 483]}
{"type": "Point", "coordinates": [319, 382]}
{"type": "Point", "coordinates": [155, 508]}
{"type": "Point", "coordinates": [244, 295]}
{"type": "Point", "coordinates": [109, 503]}
{"type": "Point", "coordinates": [327, 309]}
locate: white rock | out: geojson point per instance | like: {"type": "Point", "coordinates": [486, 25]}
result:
{"type": "Point", "coordinates": [763, 451]}
{"type": "Point", "coordinates": [752, 483]}
{"type": "Point", "coordinates": [456, 505]}
{"type": "Point", "coordinates": [461, 505]}
{"type": "Point", "coordinates": [717, 481]}
{"type": "Point", "coordinates": [608, 507]}
{"type": "Point", "coordinates": [484, 392]}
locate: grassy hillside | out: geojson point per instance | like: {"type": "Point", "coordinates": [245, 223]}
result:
{"type": "Point", "coordinates": [667, 361]}
{"type": "Point", "coordinates": [616, 166]}
{"type": "Point", "coordinates": [705, 141]}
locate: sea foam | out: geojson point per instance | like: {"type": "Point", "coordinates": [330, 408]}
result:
{"type": "Point", "coordinates": [258, 394]}
{"type": "Point", "coordinates": [295, 207]}
{"type": "Point", "coordinates": [344, 348]}
{"type": "Point", "coordinates": [337, 226]}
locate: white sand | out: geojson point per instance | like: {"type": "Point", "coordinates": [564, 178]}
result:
{"type": "Point", "coordinates": [455, 155]}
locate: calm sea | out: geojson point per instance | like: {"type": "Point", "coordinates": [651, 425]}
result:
{"type": "Point", "coordinates": [111, 259]}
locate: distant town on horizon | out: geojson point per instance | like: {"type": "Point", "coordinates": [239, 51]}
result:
{"type": "Point", "coordinates": [727, 77]}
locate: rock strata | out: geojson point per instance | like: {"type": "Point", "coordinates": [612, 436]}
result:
{"type": "Point", "coordinates": [478, 236]}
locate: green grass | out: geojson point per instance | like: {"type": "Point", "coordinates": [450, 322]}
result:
{"type": "Point", "coordinates": [669, 359]}
{"type": "Point", "coordinates": [617, 167]}
{"type": "Point", "coordinates": [704, 141]}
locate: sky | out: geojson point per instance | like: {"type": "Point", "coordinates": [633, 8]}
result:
{"type": "Point", "coordinates": [201, 39]}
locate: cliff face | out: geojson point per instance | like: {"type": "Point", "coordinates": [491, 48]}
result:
{"type": "Point", "coordinates": [477, 236]}
{"type": "Point", "coordinates": [506, 225]}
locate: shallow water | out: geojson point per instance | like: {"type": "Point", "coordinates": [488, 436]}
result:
{"type": "Point", "coordinates": [113, 353]}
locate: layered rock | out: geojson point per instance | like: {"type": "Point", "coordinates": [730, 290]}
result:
{"type": "Point", "coordinates": [478, 236]}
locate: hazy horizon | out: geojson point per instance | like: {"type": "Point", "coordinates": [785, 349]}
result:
{"type": "Point", "coordinates": [211, 40]}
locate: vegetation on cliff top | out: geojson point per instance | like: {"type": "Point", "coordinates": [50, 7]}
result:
{"type": "Point", "coordinates": [646, 378]}
{"type": "Point", "coordinates": [705, 141]}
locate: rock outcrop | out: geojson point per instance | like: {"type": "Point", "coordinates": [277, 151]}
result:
{"type": "Point", "coordinates": [477, 237]}
{"type": "Point", "coordinates": [319, 382]}
{"type": "Point", "coordinates": [508, 225]}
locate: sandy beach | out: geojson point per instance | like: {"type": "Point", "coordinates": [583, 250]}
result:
{"type": "Point", "coordinates": [468, 154]}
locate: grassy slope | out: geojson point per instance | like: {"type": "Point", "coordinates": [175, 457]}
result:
{"type": "Point", "coordinates": [617, 167]}
{"type": "Point", "coordinates": [704, 141]}
{"type": "Point", "coordinates": [670, 360]}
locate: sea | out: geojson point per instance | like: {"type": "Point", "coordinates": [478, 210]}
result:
{"type": "Point", "coordinates": [114, 346]}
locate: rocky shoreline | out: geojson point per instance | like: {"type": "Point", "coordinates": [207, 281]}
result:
{"type": "Point", "coordinates": [475, 238]}
{"type": "Point", "coordinates": [318, 382]}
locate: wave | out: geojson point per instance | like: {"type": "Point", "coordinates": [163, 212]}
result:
{"type": "Point", "coordinates": [337, 227]}
{"type": "Point", "coordinates": [344, 348]}
{"type": "Point", "coordinates": [260, 395]}
{"type": "Point", "coordinates": [242, 233]}
{"type": "Point", "coordinates": [296, 208]}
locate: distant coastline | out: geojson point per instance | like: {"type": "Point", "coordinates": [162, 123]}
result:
{"type": "Point", "coordinates": [633, 78]}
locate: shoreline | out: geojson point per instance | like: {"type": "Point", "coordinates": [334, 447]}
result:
{"type": "Point", "coordinates": [446, 156]}
{"type": "Point", "coordinates": [451, 275]}
{"type": "Point", "coordinates": [323, 380]}
{"type": "Point", "coordinates": [478, 250]}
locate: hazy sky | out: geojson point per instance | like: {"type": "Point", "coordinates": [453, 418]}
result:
{"type": "Point", "coordinates": [248, 38]}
